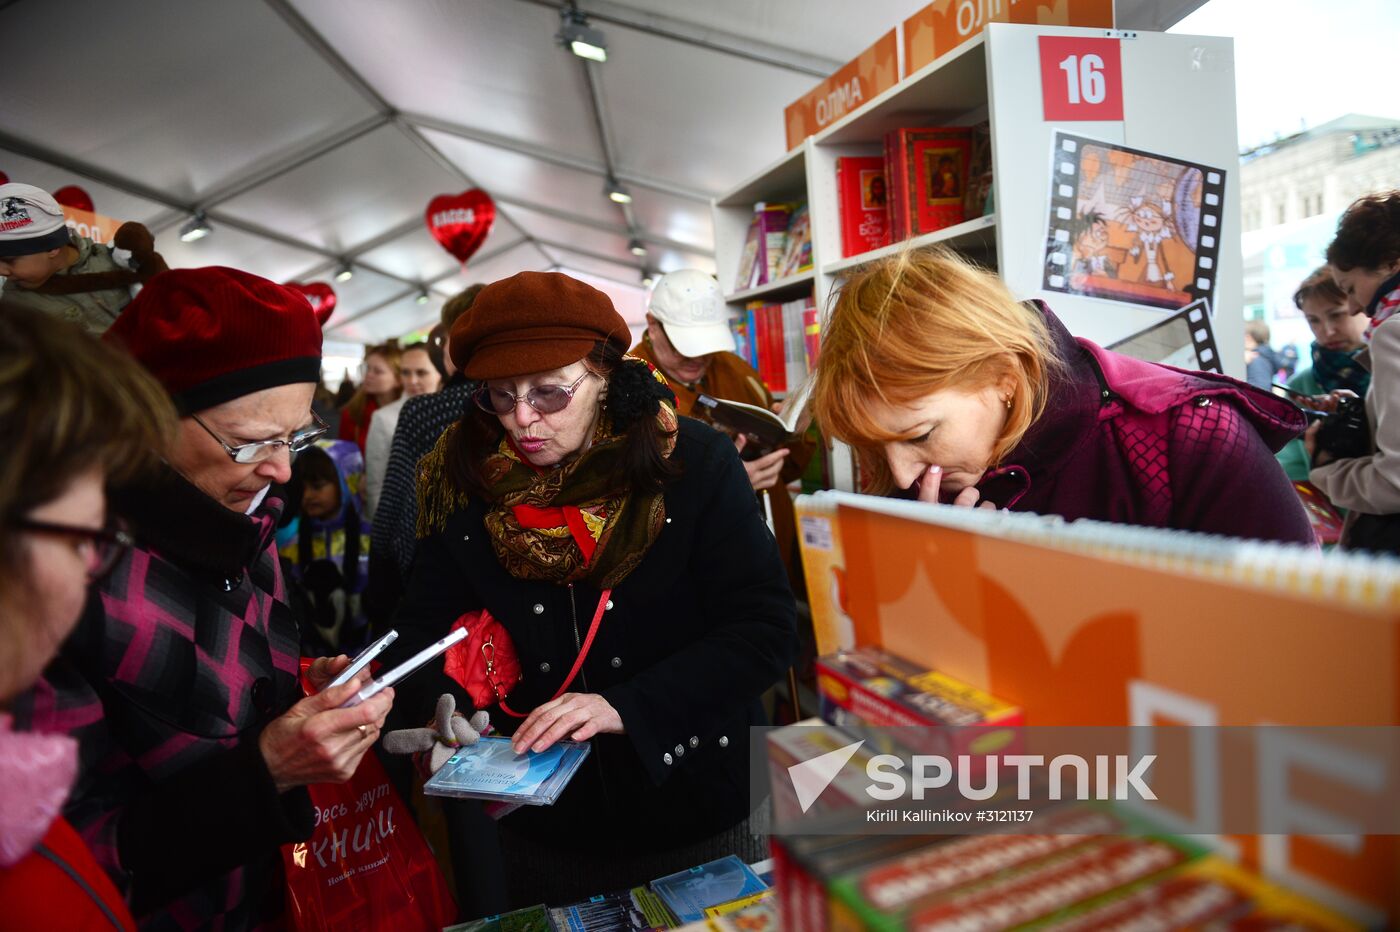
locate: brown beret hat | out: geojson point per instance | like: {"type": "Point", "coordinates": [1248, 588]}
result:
{"type": "Point", "coordinates": [534, 322]}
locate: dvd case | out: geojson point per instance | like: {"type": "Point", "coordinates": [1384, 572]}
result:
{"type": "Point", "coordinates": [491, 770]}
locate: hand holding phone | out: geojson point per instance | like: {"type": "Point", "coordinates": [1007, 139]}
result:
{"type": "Point", "coordinates": [363, 658]}
{"type": "Point", "coordinates": [385, 680]}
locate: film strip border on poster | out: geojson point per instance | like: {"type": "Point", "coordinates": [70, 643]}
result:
{"type": "Point", "coordinates": [1064, 201]}
{"type": "Point", "coordinates": [1196, 316]}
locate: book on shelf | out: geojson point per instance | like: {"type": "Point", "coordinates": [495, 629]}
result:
{"type": "Point", "coordinates": [929, 169]}
{"type": "Point", "coordinates": [797, 250]}
{"type": "Point", "coordinates": [778, 244]}
{"type": "Point", "coordinates": [977, 202]}
{"type": "Point", "coordinates": [811, 334]}
{"type": "Point", "coordinates": [862, 193]}
{"type": "Point", "coordinates": [781, 341]}
{"type": "Point", "coordinates": [748, 257]}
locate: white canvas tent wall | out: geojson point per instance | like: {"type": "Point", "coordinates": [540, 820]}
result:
{"type": "Point", "coordinates": [314, 132]}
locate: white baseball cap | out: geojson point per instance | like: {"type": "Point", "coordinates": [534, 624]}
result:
{"type": "Point", "coordinates": [692, 311]}
{"type": "Point", "coordinates": [30, 221]}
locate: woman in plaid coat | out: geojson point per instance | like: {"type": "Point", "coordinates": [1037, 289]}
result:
{"type": "Point", "coordinates": [180, 682]}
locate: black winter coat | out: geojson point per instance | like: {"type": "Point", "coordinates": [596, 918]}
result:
{"type": "Point", "coordinates": [696, 633]}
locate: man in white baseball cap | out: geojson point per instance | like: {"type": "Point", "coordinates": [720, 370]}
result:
{"type": "Point", "coordinates": [47, 266]}
{"type": "Point", "coordinates": [689, 340]}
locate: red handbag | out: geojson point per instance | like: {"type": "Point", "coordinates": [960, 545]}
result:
{"type": "Point", "coordinates": [486, 665]}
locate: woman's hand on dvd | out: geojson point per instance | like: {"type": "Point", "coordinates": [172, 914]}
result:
{"type": "Point", "coordinates": [316, 741]}
{"type": "Point", "coordinates": [577, 716]}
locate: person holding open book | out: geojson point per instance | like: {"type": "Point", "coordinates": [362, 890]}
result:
{"type": "Point", "coordinates": [623, 555]}
{"type": "Point", "coordinates": [689, 340]}
{"type": "Point", "coordinates": [952, 391]}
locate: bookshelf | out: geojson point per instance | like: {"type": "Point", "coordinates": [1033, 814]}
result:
{"type": "Point", "coordinates": [1178, 101]}
{"type": "Point", "coordinates": [793, 286]}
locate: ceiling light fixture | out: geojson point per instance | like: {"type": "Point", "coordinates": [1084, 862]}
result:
{"type": "Point", "coordinates": [197, 227]}
{"type": "Point", "coordinates": [637, 247]}
{"type": "Point", "coordinates": [617, 193]}
{"type": "Point", "coordinates": [344, 273]}
{"type": "Point", "coordinates": [647, 279]}
{"type": "Point", "coordinates": [422, 296]}
{"type": "Point", "coordinates": [578, 37]}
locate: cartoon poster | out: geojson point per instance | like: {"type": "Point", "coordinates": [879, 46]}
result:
{"type": "Point", "coordinates": [1132, 226]}
{"type": "Point", "coordinates": [1185, 340]}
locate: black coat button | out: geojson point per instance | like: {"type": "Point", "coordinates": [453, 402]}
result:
{"type": "Point", "coordinates": [264, 696]}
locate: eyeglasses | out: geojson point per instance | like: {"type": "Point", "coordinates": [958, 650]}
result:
{"type": "Point", "coordinates": [262, 450]}
{"type": "Point", "coordinates": [109, 544]}
{"type": "Point", "coordinates": [546, 399]}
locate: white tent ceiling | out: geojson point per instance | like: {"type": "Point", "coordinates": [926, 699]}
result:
{"type": "Point", "coordinates": [316, 131]}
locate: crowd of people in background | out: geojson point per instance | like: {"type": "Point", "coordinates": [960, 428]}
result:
{"type": "Point", "coordinates": [197, 533]}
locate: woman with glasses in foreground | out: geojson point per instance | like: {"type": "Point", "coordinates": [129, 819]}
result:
{"type": "Point", "coordinates": [180, 682]}
{"type": "Point", "coordinates": [74, 415]}
{"type": "Point", "coordinates": [571, 497]}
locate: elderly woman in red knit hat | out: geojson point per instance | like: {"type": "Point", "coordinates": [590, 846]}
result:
{"type": "Point", "coordinates": [181, 680]}
{"type": "Point", "coordinates": [623, 551]}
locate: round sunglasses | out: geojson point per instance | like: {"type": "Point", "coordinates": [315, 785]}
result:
{"type": "Point", "coordinates": [546, 399]}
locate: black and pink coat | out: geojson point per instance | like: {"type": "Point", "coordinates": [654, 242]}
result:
{"type": "Point", "coordinates": [183, 655]}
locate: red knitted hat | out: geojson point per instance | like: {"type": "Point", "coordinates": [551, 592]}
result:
{"type": "Point", "coordinates": [214, 334]}
{"type": "Point", "coordinates": [534, 322]}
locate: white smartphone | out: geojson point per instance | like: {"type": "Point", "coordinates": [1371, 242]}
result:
{"type": "Point", "coordinates": [363, 658]}
{"type": "Point", "coordinates": [385, 680]}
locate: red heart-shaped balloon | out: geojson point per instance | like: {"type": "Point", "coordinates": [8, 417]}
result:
{"type": "Point", "coordinates": [74, 197]}
{"type": "Point", "coordinates": [461, 222]}
{"type": "Point", "coordinates": [321, 296]}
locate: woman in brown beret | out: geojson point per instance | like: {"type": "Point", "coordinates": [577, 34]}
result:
{"type": "Point", "coordinates": [571, 491]}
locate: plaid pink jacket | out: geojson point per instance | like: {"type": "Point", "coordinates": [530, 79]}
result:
{"type": "Point", "coordinates": [184, 653]}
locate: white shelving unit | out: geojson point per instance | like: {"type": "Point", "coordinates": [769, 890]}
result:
{"type": "Point", "coordinates": [1178, 101]}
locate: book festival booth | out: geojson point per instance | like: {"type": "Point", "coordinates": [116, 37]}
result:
{"type": "Point", "coordinates": [1081, 151]}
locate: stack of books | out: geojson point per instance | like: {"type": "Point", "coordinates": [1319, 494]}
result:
{"type": "Point", "coordinates": [778, 244]}
{"type": "Point", "coordinates": [928, 178]}
{"type": "Point", "coordinates": [781, 341]}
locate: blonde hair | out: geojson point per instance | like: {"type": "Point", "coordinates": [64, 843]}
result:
{"type": "Point", "coordinates": [918, 322]}
{"type": "Point", "coordinates": [392, 355]}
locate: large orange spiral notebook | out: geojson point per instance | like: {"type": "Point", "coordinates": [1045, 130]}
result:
{"type": "Point", "coordinates": [1087, 623]}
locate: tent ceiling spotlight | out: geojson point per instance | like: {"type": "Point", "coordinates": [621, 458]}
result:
{"type": "Point", "coordinates": [422, 296]}
{"type": "Point", "coordinates": [617, 193]}
{"type": "Point", "coordinates": [637, 247]}
{"type": "Point", "coordinates": [648, 278]}
{"type": "Point", "coordinates": [344, 273]}
{"type": "Point", "coordinates": [196, 228]}
{"type": "Point", "coordinates": [578, 37]}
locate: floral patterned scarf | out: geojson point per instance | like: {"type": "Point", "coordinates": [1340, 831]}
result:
{"type": "Point", "coordinates": [573, 523]}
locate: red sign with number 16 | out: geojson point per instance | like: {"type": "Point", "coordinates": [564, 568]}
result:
{"type": "Point", "coordinates": [1081, 78]}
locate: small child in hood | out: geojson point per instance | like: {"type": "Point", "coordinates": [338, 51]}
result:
{"type": "Point", "coordinates": [325, 548]}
